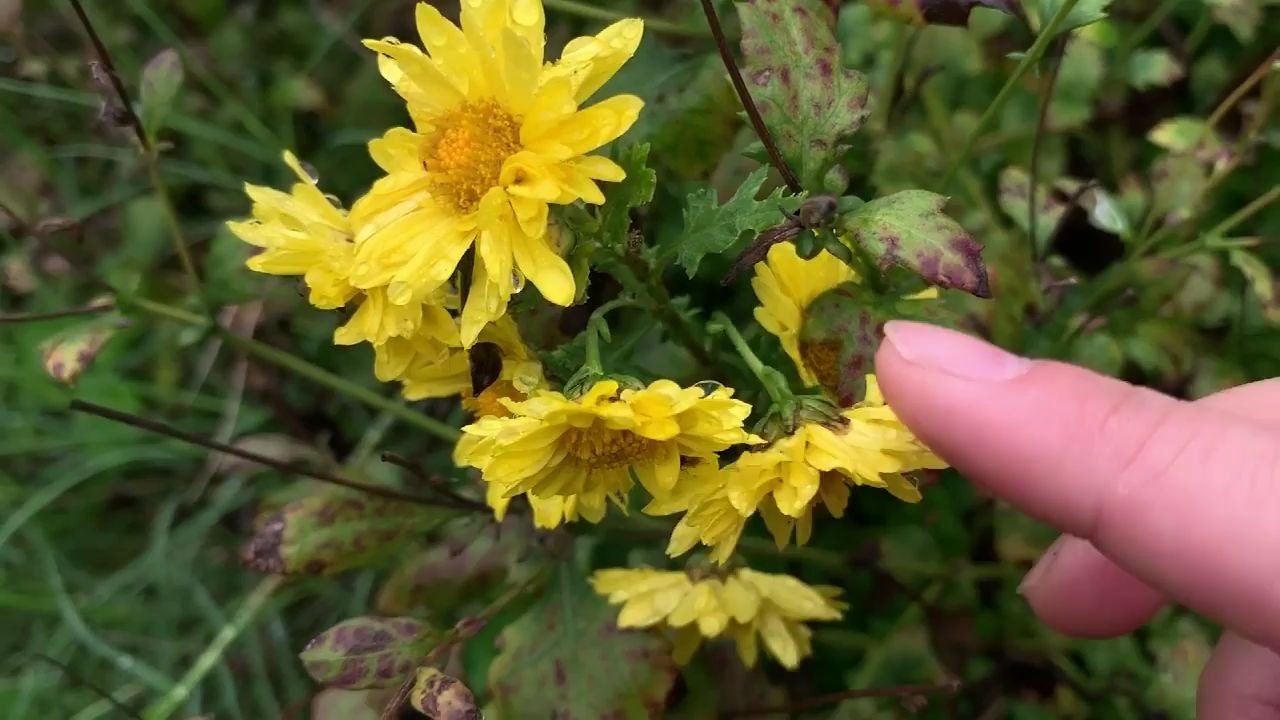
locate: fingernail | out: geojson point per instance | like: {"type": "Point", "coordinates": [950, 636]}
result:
{"type": "Point", "coordinates": [1041, 569]}
{"type": "Point", "coordinates": [953, 352]}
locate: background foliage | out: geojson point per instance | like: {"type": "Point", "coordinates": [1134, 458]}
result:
{"type": "Point", "coordinates": [1149, 255]}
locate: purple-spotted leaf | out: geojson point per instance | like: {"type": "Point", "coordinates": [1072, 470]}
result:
{"type": "Point", "coordinates": [565, 658]}
{"type": "Point", "coordinates": [810, 101]}
{"type": "Point", "coordinates": [332, 532]}
{"type": "Point", "coordinates": [442, 697]}
{"type": "Point", "coordinates": [367, 652]}
{"type": "Point", "coordinates": [839, 335]}
{"type": "Point", "coordinates": [69, 353]}
{"type": "Point", "coordinates": [459, 570]}
{"type": "Point", "coordinates": [908, 229]}
{"type": "Point", "coordinates": [941, 12]}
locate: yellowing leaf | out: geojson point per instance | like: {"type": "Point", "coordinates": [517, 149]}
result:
{"type": "Point", "coordinates": [441, 697]}
{"type": "Point", "coordinates": [333, 532]}
{"type": "Point", "coordinates": [69, 353]}
{"type": "Point", "coordinates": [1261, 280]}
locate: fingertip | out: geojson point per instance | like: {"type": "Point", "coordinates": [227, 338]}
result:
{"type": "Point", "coordinates": [1077, 591]}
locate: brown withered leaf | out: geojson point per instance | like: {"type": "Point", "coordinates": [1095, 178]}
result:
{"type": "Point", "coordinates": [69, 353]}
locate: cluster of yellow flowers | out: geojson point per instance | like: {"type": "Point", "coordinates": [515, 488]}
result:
{"type": "Point", "coordinates": [498, 136]}
{"type": "Point", "coordinates": [742, 605]}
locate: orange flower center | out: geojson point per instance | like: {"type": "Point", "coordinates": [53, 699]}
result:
{"type": "Point", "coordinates": [604, 449]}
{"type": "Point", "coordinates": [822, 357]}
{"type": "Point", "coordinates": [465, 153]}
{"type": "Point", "coordinates": [489, 401]}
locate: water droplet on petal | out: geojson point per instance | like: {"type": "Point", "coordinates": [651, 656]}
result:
{"type": "Point", "coordinates": [310, 170]}
{"type": "Point", "coordinates": [333, 200]}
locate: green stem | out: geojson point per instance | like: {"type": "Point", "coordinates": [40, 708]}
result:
{"type": "Point", "coordinates": [773, 382]}
{"type": "Point", "coordinates": [884, 107]}
{"type": "Point", "coordinates": [598, 329]}
{"type": "Point", "coordinates": [297, 365]}
{"type": "Point", "coordinates": [248, 611]}
{"type": "Point", "coordinates": [1245, 213]}
{"type": "Point", "coordinates": [171, 221]}
{"type": "Point", "coordinates": [1029, 60]}
{"type": "Point", "coordinates": [591, 12]}
{"type": "Point", "coordinates": [628, 271]}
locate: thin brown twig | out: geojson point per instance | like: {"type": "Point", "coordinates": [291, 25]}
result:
{"type": "Point", "coordinates": [753, 112]}
{"type": "Point", "coordinates": [436, 483]}
{"type": "Point", "coordinates": [76, 678]}
{"type": "Point", "coordinates": [104, 57]}
{"type": "Point", "coordinates": [96, 309]}
{"type": "Point", "coordinates": [950, 686]}
{"type": "Point", "coordinates": [286, 467]}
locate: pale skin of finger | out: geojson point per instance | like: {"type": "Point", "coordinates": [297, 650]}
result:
{"type": "Point", "coordinates": [1241, 682]}
{"type": "Point", "coordinates": [1078, 591]}
{"type": "Point", "coordinates": [1174, 494]}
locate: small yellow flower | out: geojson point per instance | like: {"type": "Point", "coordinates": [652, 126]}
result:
{"type": "Point", "coordinates": [866, 445]}
{"type": "Point", "coordinates": [301, 233]}
{"type": "Point", "coordinates": [786, 284]}
{"type": "Point", "coordinates": [744, 605]}
{"type": "Point", "coordinates": [497, 138]}
{"type": "Point", "coordinates": [555, 446]}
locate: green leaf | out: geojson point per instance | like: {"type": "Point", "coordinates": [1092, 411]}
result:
{"type": "Point", "coordinates": [1178, 183]}
{"type": "Point", "coordinates": [635, 191]}
{"type": "Point", "coordinates": [161, 80]}
{"type": "Point", "coordinates": [711, 229]}
{"type": "Point", "coordinates": [1181, 653]}
{"type": "Point", "coordinates": [1242, 17]}
{"type": "Point", "coordinates": [940, 12]}
{"type": "Point", "coordinates": [567, 659]}
{"type": "Point", "coordinates": [329, 533]}
{"type": "Point", "coordinates": [1086, 12]}
{"type": "Point", "coordinates": [908, 229]}
{"type": "Point", "coordinates": [1106, 214]}
{"type": "Point", "coordinates": [69, 353]}
{"type": "Point", "coordinates": [367, 652]}
{"type": "Point", "coordinates": [810, 101]}
{"type": "Point", "coordinates": [1152, 68]}
{"type": "Point", "coordinates": [441, 697]}
{"type": "Point", "coordinates": [1261, 281]}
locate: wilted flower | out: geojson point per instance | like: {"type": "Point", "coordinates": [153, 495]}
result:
{"type": "Point", "coordinates": [743, 605]}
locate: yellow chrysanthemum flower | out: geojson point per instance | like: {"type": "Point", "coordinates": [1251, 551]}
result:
{"type": "Point", "coordinates": [304, 232]}
{"type": "Point", "coordinates": [497, 138]}
{"type": "Point", "coordinates": [743, 605]}
{"type": "Point", "coordinates": [301, 233]}
{"type": "Point", "coordinates": [428, 367]}
{"type": "Point", "coordinates": [786, 284]}
{"type": "Point", "coordinates": [709, 518]}
{"type": "Point", "coordinates": [555, 446]}
{"type": "Point", "coordinates": [866, 445]}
